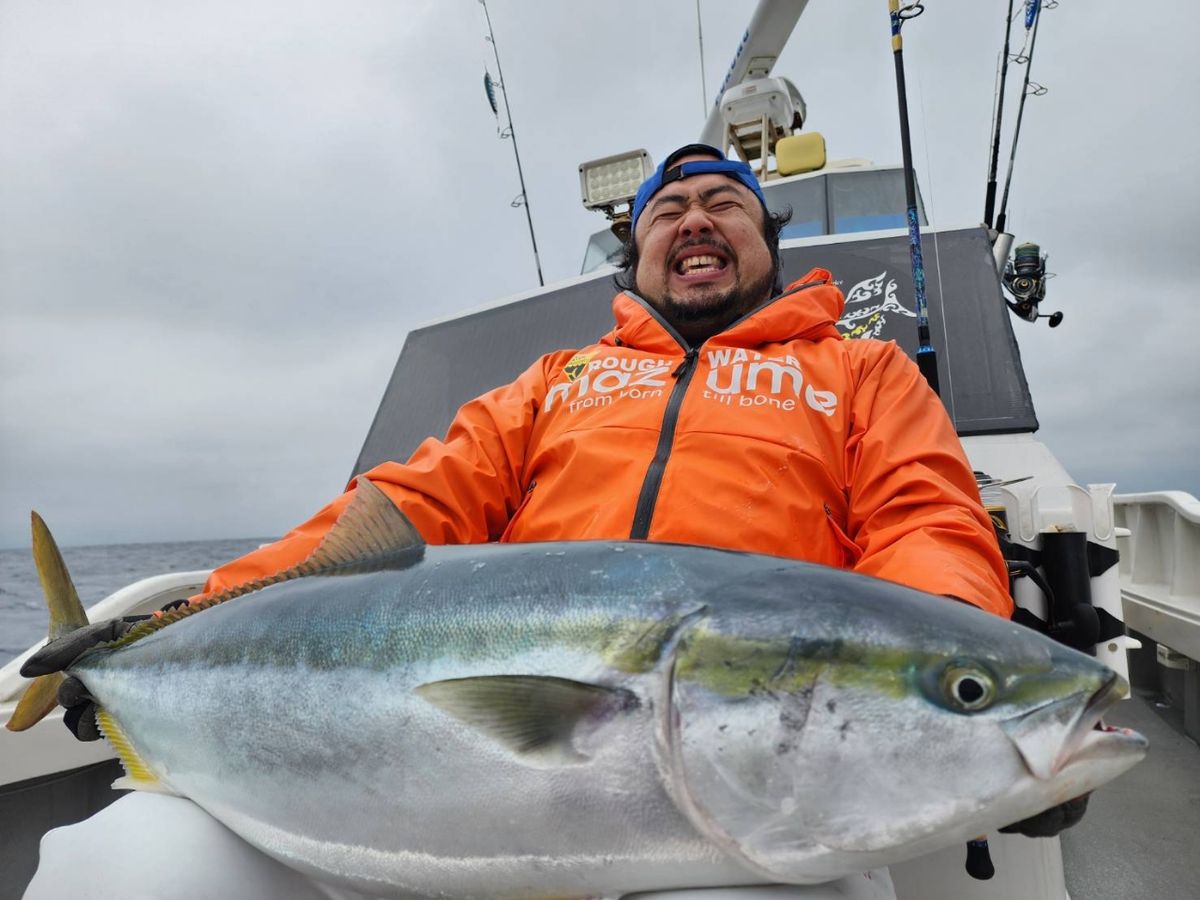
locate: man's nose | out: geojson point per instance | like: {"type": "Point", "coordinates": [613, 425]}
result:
{"type": "Point", "coordinates": [695, 221]}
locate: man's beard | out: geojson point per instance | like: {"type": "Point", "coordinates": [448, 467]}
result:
{"type": "Point", "coordinates": [719, 308]}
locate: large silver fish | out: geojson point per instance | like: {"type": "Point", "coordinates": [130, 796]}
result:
{"type": "Point", "coordinates": [589, 719]}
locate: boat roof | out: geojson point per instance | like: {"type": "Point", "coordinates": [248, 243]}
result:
{"type": "Point", "coordinates": [445, 364]}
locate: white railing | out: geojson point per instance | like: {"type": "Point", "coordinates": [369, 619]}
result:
{"type": "Point", "coordinates": [1158, 536]}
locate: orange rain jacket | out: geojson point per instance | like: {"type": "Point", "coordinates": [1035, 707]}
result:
{"type": "Point", "coordinates": [775, 436]}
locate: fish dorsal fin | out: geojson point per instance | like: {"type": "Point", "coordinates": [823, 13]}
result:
{"type": "Point", "coordinates": [370, 533]}
{"type": "Point", "coordinates": [370, 530]}
{"type": "Point", "coordinates": [532, 715]}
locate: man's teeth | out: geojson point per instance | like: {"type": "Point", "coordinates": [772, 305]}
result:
{"type": "Point", "coordinates": [699, 263]}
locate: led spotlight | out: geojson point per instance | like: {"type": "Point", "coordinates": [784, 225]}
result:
{"type": "Point", "coordinates": [613, 180]}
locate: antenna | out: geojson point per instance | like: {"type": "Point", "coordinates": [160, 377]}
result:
{"type": "Point", "coordinates": [522, 199]}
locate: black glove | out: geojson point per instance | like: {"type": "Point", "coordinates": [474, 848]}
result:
{"type": "Point", "coordinates": [60, 653]}
{"type": "Point", "coordinates": [79, 709]}
{"type": "Point", "coordinates": [1052, 821]}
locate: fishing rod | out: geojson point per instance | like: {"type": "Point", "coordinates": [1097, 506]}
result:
{"type": "Point", "coordinates": [979, 861]}
{"type": "Point", "coordinates": [523, 197]}
{"type": "Point", "coordinates": [700, 41]}
{"type": "Point", "coordinates": [926, 355]}
{"type": "Point", "coordinates": [1032, 19]}
{"type": "Point", "coordinates": [989, 203]}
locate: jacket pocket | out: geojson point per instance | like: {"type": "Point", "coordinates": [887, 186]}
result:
{"type": "Point", "coordinates": [506, 536]}
{"type": "Point", "coordinates": [851, 552]}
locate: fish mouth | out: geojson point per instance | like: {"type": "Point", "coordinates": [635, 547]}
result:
{"type": "Point", "coordinates": [1092, 736]}
{"type": "Point", "coordinates": [1070, 730]}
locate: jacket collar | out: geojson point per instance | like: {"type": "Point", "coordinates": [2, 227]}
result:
{"type": "Point", "coordinates": [806, 310]}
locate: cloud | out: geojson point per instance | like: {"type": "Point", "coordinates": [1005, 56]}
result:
{"type": "Point", "coordinates": [219, 221]}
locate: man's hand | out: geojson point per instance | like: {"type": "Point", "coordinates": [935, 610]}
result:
{"type": "Point", "coordinates": [1052, 821]}
{"type": "Point", "coordinates": [79, 710]}
{"type": "Point", "coordinates": [61, 653]}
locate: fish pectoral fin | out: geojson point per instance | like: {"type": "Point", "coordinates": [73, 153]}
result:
{"type": "Point", "coordinates": [39, 698]}
{"type": "Point", "coordinates": [534, 716]}
{"type": "Point", "coordinates": [138, 776]}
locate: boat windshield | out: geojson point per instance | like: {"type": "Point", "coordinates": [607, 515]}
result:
{"type": "Point", "coordinates": [831, 202]}
{"type": "Point", "coordinates": [602, 248]}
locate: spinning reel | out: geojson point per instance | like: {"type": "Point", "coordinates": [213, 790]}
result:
{"type": "Point", "coordinates": [1025, 279]}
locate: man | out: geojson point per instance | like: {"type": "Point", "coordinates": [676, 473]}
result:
{"type": "Point", "coordinates": [715, 413]}
{"type": "Point", "coordinates": [719, 411]}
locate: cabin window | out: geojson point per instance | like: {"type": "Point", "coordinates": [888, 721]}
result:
{"type": "Point", "coordinates": [869, 201]}
{"type": "Point", "coordinates": [843, 202]}
{"type": "Point", "coordinates": [807, 200]}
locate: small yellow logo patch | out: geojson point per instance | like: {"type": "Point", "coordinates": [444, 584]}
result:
{"type": "Point", "coordinates": [574, 367]}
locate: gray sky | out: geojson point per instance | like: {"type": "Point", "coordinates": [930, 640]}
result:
{"type": "Point", "coordinates": [218, 221]}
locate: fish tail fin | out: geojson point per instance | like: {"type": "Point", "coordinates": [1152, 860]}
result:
{"type": "Point", "coordinates": [66, 612]}
{"type": "Point", "coordinates": [39, 698]}
{"type": "Point", "coordinates": [138, 776]}
{"type": "Point", "coordinates": [66, 615]}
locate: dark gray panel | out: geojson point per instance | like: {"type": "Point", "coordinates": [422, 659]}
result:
{"type": "Point", "coordinates": [28, 809]}
{"type": "Point", "coordinates": [979, 364]}
{"type": "Point", "coordinates": [983, 385]}
{"type": "Point", "coordinates": [444, 365]}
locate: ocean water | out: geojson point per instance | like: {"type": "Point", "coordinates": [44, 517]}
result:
{"type": "Point", "coordinates": [97, 572]}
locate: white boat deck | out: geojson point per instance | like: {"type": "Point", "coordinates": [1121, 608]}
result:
{"type": "Point", "coordinates": [1140, 837]}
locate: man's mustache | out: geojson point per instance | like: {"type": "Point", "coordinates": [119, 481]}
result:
{"type": "Point", "coordinates": [718, 245]}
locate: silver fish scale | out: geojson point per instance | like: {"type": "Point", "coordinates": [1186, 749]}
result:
{"type": "Point", "coordinates": [291, 715]}
{"type": "Point", "coordinates": [355, 776]}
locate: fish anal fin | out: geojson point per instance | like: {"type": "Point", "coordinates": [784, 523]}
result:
{"type": "Point", "coordinates": [39, 698]}
{"type": "Point", "coordinates": [138, 775]}
{"type": "Point", "coordinates": [534, 716]}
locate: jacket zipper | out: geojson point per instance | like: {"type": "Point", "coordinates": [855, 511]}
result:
{"type": "Point", "coordinates": [851, 552]}
{"type": "Point", "coordinates": [520, 509]}
{"type": "Point", "coordinates": [648, 497]}
{"type": "Point", "coordinates": [644, 512]}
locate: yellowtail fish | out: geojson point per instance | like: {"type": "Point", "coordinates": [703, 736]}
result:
{"type": "Point", "coordinates": [591, 718]}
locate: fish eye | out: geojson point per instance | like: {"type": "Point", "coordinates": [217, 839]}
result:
{"type": "Point", "coordinates": [968, 687]}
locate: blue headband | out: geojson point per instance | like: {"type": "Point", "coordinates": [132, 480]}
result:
{"type": "Point", "coordinates": [666, 173]}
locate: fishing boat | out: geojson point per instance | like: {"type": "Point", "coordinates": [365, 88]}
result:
{"type": "Point", "coordinates": [1129, 561]}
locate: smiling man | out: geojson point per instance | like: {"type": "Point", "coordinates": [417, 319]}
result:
{"type": "Point", "coordinates": [705, 248]}
{"type": "Point", "coordinates": [721, 410]}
